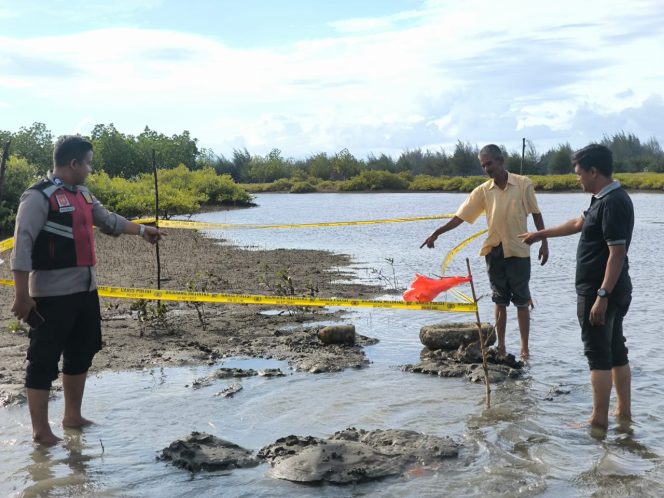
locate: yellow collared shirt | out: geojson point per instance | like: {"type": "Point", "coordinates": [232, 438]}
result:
{"type": "Point", "coordinates": [506, 213]}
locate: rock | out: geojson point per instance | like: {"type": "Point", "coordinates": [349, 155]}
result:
{"type": "Point", "coordinates": [410, 446]}
{"type": "Point", "coordinates": [229, 391]}
{"type": "Point", "coordinates": [337, 334]}
{"type": "Point", "coordinates": [201, 451]}
{"type": "Point", "coordinates": [12, 395]}
{"type": "Point", "coordinates": [354, 455]}
{"type": "Point", "coordinates": [451, 336]}
{"type": "Point", "coordinates": [338, 462]}
{"type": "Point", "coordinates": [466, 361]}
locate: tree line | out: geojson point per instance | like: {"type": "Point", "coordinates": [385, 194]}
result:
{"type": "Point", "coordinates": [128, 156]}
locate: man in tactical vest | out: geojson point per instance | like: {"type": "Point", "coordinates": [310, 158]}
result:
{"type": "Point", "coordinates": [53, 263]}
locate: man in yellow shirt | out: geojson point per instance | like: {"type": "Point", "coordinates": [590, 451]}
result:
{"type": "Point", "coordinates": [507, 199]}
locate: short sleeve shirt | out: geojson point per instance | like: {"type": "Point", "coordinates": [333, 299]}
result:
{"type": "Point", "coordinates": [608, 221]}
{"type": "Point", "coordinates": [506, 213]}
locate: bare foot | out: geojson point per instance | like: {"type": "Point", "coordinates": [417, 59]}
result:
{"type": "Point", "coordinates": [525, 355]}
{"type": "Point", "coordinates": [76, 422]}
{"type": "Point", "coordinates": [47, 439]}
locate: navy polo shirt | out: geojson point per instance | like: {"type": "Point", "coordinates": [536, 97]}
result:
{"type": "Point", "coordinates": [608, 221]}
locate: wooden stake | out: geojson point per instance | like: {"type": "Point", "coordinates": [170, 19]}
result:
{"type": "Point", "coordinates": [156, 216]}
{"type": "Point", "coordinates": [487, 384]}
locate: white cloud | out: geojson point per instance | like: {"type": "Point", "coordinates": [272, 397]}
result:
{"type": "Point", "coordinates": [477, 71]}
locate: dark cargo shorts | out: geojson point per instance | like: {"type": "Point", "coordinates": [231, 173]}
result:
{"type": "Point", "coordinates": [72, 329]}
{"type": "Point", "coordinates": [604, 345]}
{"type": "Point", "coordinates": [509, 278]}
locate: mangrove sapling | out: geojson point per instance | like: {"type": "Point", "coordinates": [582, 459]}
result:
{"type": "Point", "coordinates": [154, 316]}
{"type": "Point", "coordinates": [17, 327]}
{"type": "Point", "coordinates": [192, 286]}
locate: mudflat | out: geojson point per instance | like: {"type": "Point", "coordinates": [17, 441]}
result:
{"type": "Point", "coordinates": [137, 335]}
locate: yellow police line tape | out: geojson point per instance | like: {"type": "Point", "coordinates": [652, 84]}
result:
{"type": "Point", "coordinates": [129, 293]}
{"type": "Point", "coordinates": [209, 297]}
{"type": "Point", "coordinates": [201, 225]}
{"type": "Point", "coordinates": [450, 256]}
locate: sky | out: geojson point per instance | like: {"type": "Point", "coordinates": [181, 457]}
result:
{"type": "Point", "coordinates": [310, 76]}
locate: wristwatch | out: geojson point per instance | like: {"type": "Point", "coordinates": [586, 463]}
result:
{"type": "Point", "coordinates": [602, 292]}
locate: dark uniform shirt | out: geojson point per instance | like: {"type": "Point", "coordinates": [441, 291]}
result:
{"type": "Point", "coordinates": [608, 221]}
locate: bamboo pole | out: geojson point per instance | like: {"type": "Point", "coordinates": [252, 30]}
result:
{"type": "Point", "coordinates": [487, 383]}
{"type": "Point", "coordinates": [156, 216]}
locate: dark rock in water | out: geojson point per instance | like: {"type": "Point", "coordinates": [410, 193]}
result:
{"type": "Point", "coordinates": [466, 361]}
{"type": "Point", "coordinates": [354, 455]}
{"type": "Point", "coordinates": [337, 334]}
{"type": "Point", "coordinates": [12, 395]}
{"type": "Point", "coordinates": [286, 447]}
{"type": "Point", "coordinates": [451, 336]}
{"type": "Point", "coordinates": [337, 462]}
{"type": "Point", "coordinates": [201, 451]}
{"type": "Point", "coordinates": [223, 373]}
{"type": "Point", "coordinates": [271, 372]}
{"type": "Point", "coordinates": [410, 446]}
{"type": "Point", "coordinates": [229, 391]}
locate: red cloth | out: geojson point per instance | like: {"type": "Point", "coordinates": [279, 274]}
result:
{"type": "Point", "coordinates": [424, 289]}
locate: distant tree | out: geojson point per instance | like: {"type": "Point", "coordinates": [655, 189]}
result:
{"type": "Point", "coordinates": [344, 165]}
{"type": "Point", "coordinates": [35, 144]}
{"type": "Point", "coordinates": [320, 166]}
{"type": "Point", "coordinates": [558, 161]}
{"type": "Point", "coordinates": [116, 153]}
{"type": "Point", "coordinates": [270, 167]}
{"type": "Point", "coordinates": [464, 161]}
{"type": "Point", "coordinates": [381, 163]}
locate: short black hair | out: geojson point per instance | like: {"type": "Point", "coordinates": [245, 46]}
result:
{"type": "Point", "coordinates": [492, 150]}
{"type": "Point", "coordinates": [69, 147]}
{"type": "Point", "coordinates": [595, 156]}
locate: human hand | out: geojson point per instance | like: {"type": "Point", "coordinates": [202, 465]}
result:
{"type": "Point", "coordinates": [22, 306]}
{"type": "Point", "coordinates": [153, 234]}
{"type": "Point", "coordinates": [543, 255]}
{"type": "Point", "coordinates": [429, 242]}
{"type": "Point", "coordinates": [530, 237]}
{"type": "Point", "coordinates": [598, 311]}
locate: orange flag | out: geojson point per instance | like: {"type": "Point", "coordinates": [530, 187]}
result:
{"type": "Point", "coordinates": [424, 289]}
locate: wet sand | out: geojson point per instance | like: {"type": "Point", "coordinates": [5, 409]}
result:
{"type": "Point", "coordinates": [190, 261]}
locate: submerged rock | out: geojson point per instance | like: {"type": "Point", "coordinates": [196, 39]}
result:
{"type": "Point", "coordinates": [201, 451]}
{"type": "Point", "coordinates": [452, 336]}
{"type": "Point", "coordinates": [12, 395]}
{"type": "Point", "coordinates": [466, 361]}
{"type": "Point", "coordinates": [229, 391]}
{"type": "Point", "coordinates": [354, 455]}
{"type": "Point", "coordinates": [337, 334]}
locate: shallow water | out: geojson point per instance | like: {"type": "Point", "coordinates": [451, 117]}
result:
{"type": "Point", "coordinates": [526, 445]}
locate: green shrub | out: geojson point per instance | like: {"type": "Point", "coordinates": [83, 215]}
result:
{"type": "Point", "coordinates": [19, 175]}
{"type": "Point", "coordinates": [302, 188]}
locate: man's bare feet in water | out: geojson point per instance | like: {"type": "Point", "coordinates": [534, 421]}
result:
{"type": "Point", "coordinates": [525, 355]}
{"type": "Point", "coordinates": [48, 439]}
{"type": "Point", "coordinates": [76, 422]}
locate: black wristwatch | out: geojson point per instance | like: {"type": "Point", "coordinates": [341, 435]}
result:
{"type": "Point", "coordinates": [602, 292]}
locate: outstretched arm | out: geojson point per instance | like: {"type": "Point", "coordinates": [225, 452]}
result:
{"type": "Point", "coordinates": [543, 255]}
{"type": "Point", "coordinates": [149, 233]}
{"type": "Point", "coordinates": [450, 225]}
{"type": "Point", "coordinates": [570, 227]}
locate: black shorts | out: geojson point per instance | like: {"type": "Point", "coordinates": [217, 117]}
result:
{"type": "Point", "coordinates": [72, 329]}
{"type": "Point", "coordinates": [509, 278]}
{"type": "Point", "coordinates": [604, 345]}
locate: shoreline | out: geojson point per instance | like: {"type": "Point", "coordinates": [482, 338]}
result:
{"type": "Point", "coordinates": [198, 334]}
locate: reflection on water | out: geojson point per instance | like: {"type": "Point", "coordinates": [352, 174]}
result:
{"type": "Point", "coordinates": [528, 444]}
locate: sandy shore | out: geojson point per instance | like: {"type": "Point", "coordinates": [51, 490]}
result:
{"type": "Point", "coordinates": [191, 261]}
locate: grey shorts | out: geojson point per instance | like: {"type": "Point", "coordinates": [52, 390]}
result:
{"type": "Point", "coordinates": [509, 278]}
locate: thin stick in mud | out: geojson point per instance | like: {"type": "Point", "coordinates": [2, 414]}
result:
{"type": "Point", "coordinates": [482, 339]}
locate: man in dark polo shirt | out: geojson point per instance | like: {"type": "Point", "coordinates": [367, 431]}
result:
{"type": "Point", "coordinates": [603, 285]}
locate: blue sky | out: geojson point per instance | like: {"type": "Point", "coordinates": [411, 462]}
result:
{"type": "Point", "coordinates": [317, 76]}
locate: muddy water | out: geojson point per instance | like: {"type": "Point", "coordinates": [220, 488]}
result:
{"type": "Point", "coordinates": [527, 445]}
